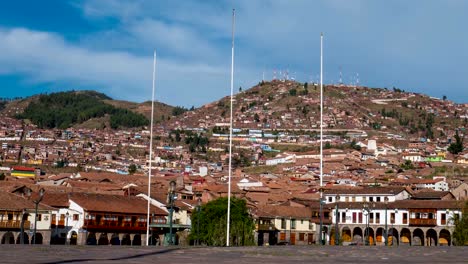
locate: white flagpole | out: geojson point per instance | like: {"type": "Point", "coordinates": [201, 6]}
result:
{"type": "Point", "coordinates": [230, 135]}
{"type": "Point", "coordinates": [321, 110]}
{"type": "Point", "coordinates": [150, 152]}
{"type": "Point", "coordinates": [321, 139]}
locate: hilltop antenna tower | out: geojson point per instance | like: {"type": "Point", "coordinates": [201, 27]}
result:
{"type": "Point", "coordinates": [274, 74]}
{"type": "Point", "coordinates": [357, 79]}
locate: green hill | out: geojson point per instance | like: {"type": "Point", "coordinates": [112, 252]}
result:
{"type": "Point", "coordinates": [65, 109]}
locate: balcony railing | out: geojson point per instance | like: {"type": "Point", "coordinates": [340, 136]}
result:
{"type": "Point", "coordinates": [14, 224]}
{"type": "Point", "coordinates": [422, 222]}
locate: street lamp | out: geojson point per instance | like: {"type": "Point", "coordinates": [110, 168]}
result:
{"type": "Point", "coordinates": [386, 225]}
{"type": "Point", "coordinates": [170, 199]}
{"type": "Point", "coordinates": [66, 227]}
{"type": "Point", "coordinates": [198, 220]}
{"type": "Point", "coordinates": [337, 231]}
{"type": "Point", "coordinates": [366, 210]}
{"type": "Point", "coordinates": [36, 202]}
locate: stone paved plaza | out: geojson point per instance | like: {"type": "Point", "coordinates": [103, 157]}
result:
{"type": "Point", "coordinates": [273, 254]}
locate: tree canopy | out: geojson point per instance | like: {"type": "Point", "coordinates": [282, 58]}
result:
{"type": "Point", "coordinates": [460, 234]}
{"type": "Point", "coordinates": [63, 110]}
{"type": "Point", "coordinates": [457, 146]}
{"type": "Point", "coordinates": [213, 217]}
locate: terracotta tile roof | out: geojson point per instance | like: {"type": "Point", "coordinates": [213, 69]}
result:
{"type": "Point", "coordinates": [403, 204]}
{"type": "Point", "coordinates": [368, 190]}
{"type": "Point", "coordinates": [9, 201]}
{"type": "Point", "coordinates": [283, 212]}
{"type": "Point", "coordinates": [113, 203]}
{"type": "Point", "coordinates": [56, 199]}
{"type": "Point", "coordinates": [431, 194]}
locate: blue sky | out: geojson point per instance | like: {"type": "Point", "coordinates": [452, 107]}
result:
{"type": "Point", "coordinates": [106, 45]}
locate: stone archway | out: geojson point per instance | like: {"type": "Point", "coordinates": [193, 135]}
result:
{"type": "Point", "coordinates": [346, 235]}
{"type": "Point", "coordinates": [431, 237]}
{"type": "Point", "coordinates": [25, 238]}
{"type": "Point", "coordinates": [445, 238]}
{"type": "Point", "coordinates": [115, 241]}
{"type": "Point", "coordinates": [418, 237]}
{"type": "Point", "coordinates": [73, 238]}
{"type": "Point", "coordinates": [380, 236]}
{"type": "Point", "coordinates": [103, 240]}
{"type": "Point", "coordinates": [405, 237]}
{"type": "Point", "coordinates": [37, 239]}
{"type": "Point", "coordinates": [136, 240]}
{"type": "Point", "coordinates": [91, 239]}
{"type": "Point", "coordinates": [369, 236]}
{"type": "Point", "coordinates": [126, 240]}
{"type": "Point", "coordinates": [153, 240]}
{"type": "Point", "coordinates": [393, 237]}
{"type": "Point", "coordinates": [326, 235]}
{"type": "Point", "coordinates": [8, 238]}
{"type": "Point", "coordinates": [357, 235]}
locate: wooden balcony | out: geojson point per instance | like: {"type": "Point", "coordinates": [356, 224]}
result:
{"type": "Point", "coordinates": [14, 224]}
{"type": "Point", "coordinates": [422, 222]}
{"type": "Point", "coordinates": [114, 225]}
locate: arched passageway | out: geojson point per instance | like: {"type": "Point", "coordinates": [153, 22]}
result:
{"type": "Point", "coordinates": [380, 235]}
{"type": "Point", "coordinates": [37, 239]}
{"type": "Point", "coordinates": [418, 237]}
{"type": "Point", "coordinates": [73, 238]}
{"type": "Point", "coordinates": [405, 237]}
{"type": "Point", "coordinates": [126, 240]}
{"type": "Point", "coordinates": [346, 234]}
{"type": "Point", "coordinates": [357, 235]}
{"type": "Point", "coordinates": [444, 238]}
{"type": "Point", "coordinates": [431, 237]}
{"type": "Point", "coordinates": [369, 236]}
{"type": "Point", "coordinates": [393, 237]}
{"type": "Point", "coordinates": [8, 238]}
{"type": "Point", "coordinates": [25, 238]}
{"type": "Point", "coordinates": [115, 241]}
{"type": "Point", "coordinates": [103, 240]}
{"type": "Point", "coordinates": [91, 240]}
{"type": "Point", "coordinates": [137, 240]}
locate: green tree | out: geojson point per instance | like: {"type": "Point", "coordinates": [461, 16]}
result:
{"type": "Point", "coordinates": [460, 234]}
{"type": "Point", "coordinates": [132, 168]}
{"type": "Point", "coordinates": [177, 136]}
{"type": "Point", "coordinates": [256, 118]}
{"type": "Point", "coordinates": [457, 146]}
{"type": "Point", "coordinates": [213, 217]}
{"type": "Point", "coordinates": [292, 92]}
{"type": "Point", "coordinates": [408, 165]}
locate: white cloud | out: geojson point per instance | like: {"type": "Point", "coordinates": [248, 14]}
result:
{"type": "Point", "coordinates": [46, 57]}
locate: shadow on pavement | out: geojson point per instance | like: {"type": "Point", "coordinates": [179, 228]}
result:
{"type": "Point", "coordinates": [116, 259]}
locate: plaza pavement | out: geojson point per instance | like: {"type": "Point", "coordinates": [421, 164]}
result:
{"type": "Point", "coordinates": [273, 254]}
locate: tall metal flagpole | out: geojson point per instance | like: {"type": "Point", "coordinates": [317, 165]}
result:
{"type": "Point", "coordinates": [150, 153]}
{"type": "Point", "coordinates": [321, 137]}
{"type": "Point", "coordinates": [230, 135]}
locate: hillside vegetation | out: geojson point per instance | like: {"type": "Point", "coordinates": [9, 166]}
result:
{"type": "Point", "coordinates": [65, 109]}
